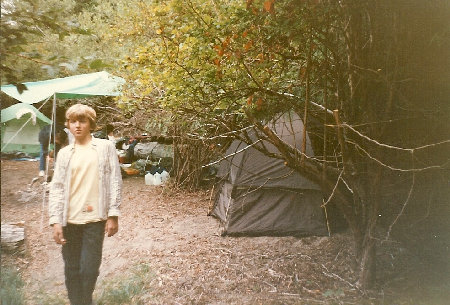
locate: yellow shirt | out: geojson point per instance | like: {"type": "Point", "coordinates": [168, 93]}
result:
{"type": "Point", "coordinates": [84, 186]}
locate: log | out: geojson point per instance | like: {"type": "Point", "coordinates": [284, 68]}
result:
{"type": "Point", "coordinates": [13, 237]}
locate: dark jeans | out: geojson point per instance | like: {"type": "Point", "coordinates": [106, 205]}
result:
{"type": "Point", "coordinates": [43, 157]}
{"type": "Point", "coordinates": [82, 256]}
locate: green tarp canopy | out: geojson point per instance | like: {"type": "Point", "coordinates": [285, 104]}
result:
{"type": "Point", "coordinates": [20, 133]}
{"type": "Point", "coordinates": [78, 86]}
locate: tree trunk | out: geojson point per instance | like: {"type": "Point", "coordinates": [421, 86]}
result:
{"type": "Point", "coordinates": [365, 248]}
{"type": "Point", "coordinates": [367, 263]}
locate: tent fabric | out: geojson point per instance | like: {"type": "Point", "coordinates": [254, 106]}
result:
{"type": "Point", "coordinates": [259, 195]}
{"type": "Point", "coordinates": [252, 168]}
{"type": "Point", "coordinates": [269, 212]}
{"type": "Point", "coordinates": [21, 124]}
{"type": "Point", "coordinates": [78, 86]}
{"type": "Point", "coordinates": [16, 111]}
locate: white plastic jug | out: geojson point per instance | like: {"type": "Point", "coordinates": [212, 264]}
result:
{"type": "Point", "coordinates": [157, 179]}
{"type": "Point", "coordinates": [164, 176]}
{"type": "Point", "coordinates": [149, 179]}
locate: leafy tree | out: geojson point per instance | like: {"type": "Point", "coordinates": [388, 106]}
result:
{"type": "Point", "coordinates": [48, 39]}
{"type": "Point", "coordinates": [42, 39]}
{"type": "Point", "coordinates": [24, 27]}
{"type": "Point", "coordinates": [358, 72]}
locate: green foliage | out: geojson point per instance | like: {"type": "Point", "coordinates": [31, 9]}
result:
{"type": "Point", "coordinates": [97, 64]}
{"type": "Point", "coordinates": [46, 39]}
{"type": "Point", "coordinates": [11, 291]}
{"type": "Point", "coordinates": [211, 64]}
{"type": "Point", "coordinates": [207, 62]}
{"type": "Point", "coordinates": [218, 66]}
{"type": "Point", "coordinates": [25, 25]}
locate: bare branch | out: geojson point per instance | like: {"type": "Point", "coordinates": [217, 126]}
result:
{"type": "Point", "coordinates": [390, 146]}
{"type": "Point", "coordinates": [252, 77]}
{"type": "Point", "coordinates": [28, 58]}
{"type": "Point", "coordinates": [232, 133]}
{"type": "Point", "coordinates": [396, 168]}
{"type": "Point", "coordinates": [403, 207]}
{"type": "Point", "coordinates": [334, 190]}
{"type": "Point", "coordinates": [233, 154]}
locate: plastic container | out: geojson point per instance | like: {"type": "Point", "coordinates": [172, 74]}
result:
{"type": "Point", "coordinates": [157, 179]}
{"type": "Point", "coordinates": [149, 179]}
{"type": "Point", "coordinates": [164, 176]}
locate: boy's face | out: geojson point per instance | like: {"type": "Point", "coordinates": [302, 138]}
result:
{"type": "Point", "coordinates": [80, 127]}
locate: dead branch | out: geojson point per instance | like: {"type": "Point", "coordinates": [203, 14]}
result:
{"type": "Point", "coordinates": [333, 275]}
{"type": "Point", "coordinates": [390, 146]}
{"type": "Point", "coordinates": [403, 207]}
{"type": "Point", "coordinates": [229, 134]}
{"type": "Point", "coordinates": [334, 190]}
{"type": "Point", "coordinates": [233, 154]}
{"type": "Point", "coordinates": [28, 58]}
{"type": "Point", "coordinates": [396, 168]}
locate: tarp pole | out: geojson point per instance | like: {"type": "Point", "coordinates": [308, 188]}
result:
{"type": "Point", "coordinates": [52, 131]}
{"type": "Point", "coordinates": [47, 161]}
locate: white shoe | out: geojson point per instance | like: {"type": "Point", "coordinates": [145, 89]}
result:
{"type": "Point", "coordinates": [41, 173]}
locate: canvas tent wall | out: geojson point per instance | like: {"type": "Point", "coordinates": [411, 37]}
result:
{"type": "Point", "coordinates": [259, 195]}
{"type": "Point", "coordinates": [21, 124]}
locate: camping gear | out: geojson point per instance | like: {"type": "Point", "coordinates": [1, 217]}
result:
{"type": "Point", "coordinates": [122, 156]}
{"type": "Point", "coordinates": [157, 179]}
{"type": "Point", "coordinates": [131, 171]}
{"type": "Point", "coordinates": [149, 179]}
{"type": "Point", "coordinates": [153, 179]}
{"type": "Point", "coordinates": [154, 150]}
{"type": "Point", "coordinates": [259, 195]}
{"type": "Point", "coordinates": [164, 176]}
{"type": "Point", "coordinates": [21, 124]}
{"type": "Point", "coordinates": [72, 87]}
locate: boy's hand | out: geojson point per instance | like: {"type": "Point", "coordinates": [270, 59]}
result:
{"type": "Point", "coordinates": [58, 234]}
{"type": "Point", "coordinates": [112, 225]}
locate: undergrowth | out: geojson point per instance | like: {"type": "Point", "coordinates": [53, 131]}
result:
{"type": "Point", "coordinates": [43, 297]}
{"type": "Point", "coordinates": [126, 289]}
{"type": "Point", "coordinates": [12, 287]}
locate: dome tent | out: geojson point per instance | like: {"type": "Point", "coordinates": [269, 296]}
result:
{"type": "Point", "coordinates": [260, 195]}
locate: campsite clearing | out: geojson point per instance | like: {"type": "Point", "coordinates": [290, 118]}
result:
{"type": "Point", "coordinates": [187, 261]}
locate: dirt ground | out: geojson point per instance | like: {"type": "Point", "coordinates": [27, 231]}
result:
{"type": "Point", "coordinates": [187, 260]}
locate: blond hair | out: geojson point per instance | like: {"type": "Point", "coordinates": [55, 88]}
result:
{"type": "Point", "coordinates": [81, 111]}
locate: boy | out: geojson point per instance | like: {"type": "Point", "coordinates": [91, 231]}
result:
{"type": "Point", "coordinates": [84, 202]}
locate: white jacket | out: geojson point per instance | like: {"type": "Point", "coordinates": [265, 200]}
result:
{"type": "Point", "coordinates": [110, 182]}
